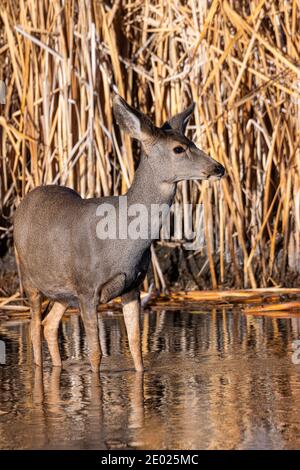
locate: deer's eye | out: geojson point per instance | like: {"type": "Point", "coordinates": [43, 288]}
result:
{"type": "Point", "coordinates": [178, 149]}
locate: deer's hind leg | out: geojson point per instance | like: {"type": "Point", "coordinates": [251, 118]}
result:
{"type": "Point", "coordinates": [51, 324]}
{"type": "Point", "coordinates": [34, 297]}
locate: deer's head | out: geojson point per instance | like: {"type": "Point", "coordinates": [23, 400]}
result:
{"type": "Point", "coordinates": [172, 155]}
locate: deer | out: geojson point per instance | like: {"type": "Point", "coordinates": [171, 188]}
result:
{"type": "Point", "coordinates": [61, 257]}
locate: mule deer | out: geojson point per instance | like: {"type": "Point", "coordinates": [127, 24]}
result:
{"type": "Point", "coordinates": [61, 256]}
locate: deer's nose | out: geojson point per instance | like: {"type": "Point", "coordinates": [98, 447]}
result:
{"type": "Point", "coordinates": [220, 170]}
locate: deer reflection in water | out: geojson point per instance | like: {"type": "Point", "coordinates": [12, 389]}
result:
{"type": "Point", "coordinates": [84, 404]}
{"type": "Point", "coordinates": [214, 379]}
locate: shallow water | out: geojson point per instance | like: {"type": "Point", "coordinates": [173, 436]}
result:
{"type": "Point", "coordinates": [214, 379]}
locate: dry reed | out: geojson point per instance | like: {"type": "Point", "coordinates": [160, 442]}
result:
{"type": "Point", "coordinates": [239, 61]}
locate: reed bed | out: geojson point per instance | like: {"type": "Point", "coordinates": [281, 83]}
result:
{"type": "Point", "coordinates": [239, 61]}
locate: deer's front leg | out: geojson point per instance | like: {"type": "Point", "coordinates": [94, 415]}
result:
{"type": "Point", "coordinates": [90, 320]}
{"type": "Point", "coordinates": [132, 312]}
{"type": "Point", "coordinates": [51, 325]}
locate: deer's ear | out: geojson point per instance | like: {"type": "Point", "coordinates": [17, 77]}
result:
{"type": "Point", "coordinates": [132, 121]}
{"type": "Point", "coordinates": [180, 120]}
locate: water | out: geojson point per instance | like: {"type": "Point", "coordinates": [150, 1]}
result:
{"type": "Point", "coordinates": [214, 379]}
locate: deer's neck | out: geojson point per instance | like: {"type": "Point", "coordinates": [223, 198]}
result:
{"type": "Point", "coordinates": [149, 191]}
{"type": "Point", "coordinates": [147, 188]}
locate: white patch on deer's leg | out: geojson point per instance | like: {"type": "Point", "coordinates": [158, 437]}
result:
{"type": "Point", "coordinates": [132, 311]}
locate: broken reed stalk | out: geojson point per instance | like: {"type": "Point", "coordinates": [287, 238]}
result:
{"type": "Point", "coordinates": [238, 295]}
{"type": "Point", "coordinates": [269, 295]}
{"type": "Point", "coordinates": [239, 61]}
{"type": "Point", "coordinates": [276, 307]}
